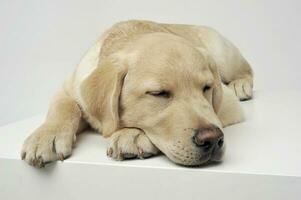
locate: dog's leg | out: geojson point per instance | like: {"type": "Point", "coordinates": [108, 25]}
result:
{"type": "Point", "coordinates": [230, 111]}
{"type": "Point", "coordinates": [242, 82]}
{"type": "Point", "coordinates": [234, 69]}
{"type": "Point", "coordinates": [53, 140]}
{"type": "Point", "coordinates": [130, 143]}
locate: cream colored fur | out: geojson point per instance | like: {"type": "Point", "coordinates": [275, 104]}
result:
{"type": "Point", "coordinates": [116, 85]}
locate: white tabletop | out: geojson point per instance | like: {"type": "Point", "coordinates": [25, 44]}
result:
{"type": "Point", "coordinates": [266, 143]}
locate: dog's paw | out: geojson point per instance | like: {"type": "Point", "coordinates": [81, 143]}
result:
{"type": "Point", "coordinates": [130, 143]}
{"type": "Point", "coordinates": [43, 147]}
{"type": "Point", "coordinates": [243, 88]}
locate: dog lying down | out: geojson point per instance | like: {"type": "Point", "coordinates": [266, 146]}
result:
{"type": "Point", "coordinates": [149, 88]}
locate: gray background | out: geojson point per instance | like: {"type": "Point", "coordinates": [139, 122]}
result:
{"type": "Point", "coordinates": [42, 41]}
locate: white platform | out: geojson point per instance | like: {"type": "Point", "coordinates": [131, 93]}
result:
{"type": "Point", "coordinates": [262, 161]}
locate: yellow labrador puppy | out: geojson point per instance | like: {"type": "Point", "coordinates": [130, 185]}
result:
{"type": "Point", "coordinates": [149, 87]}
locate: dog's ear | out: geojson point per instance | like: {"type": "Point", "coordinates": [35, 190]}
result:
{"type": "Point", "coordinates": [100, 92]}
{"type": "Point", "coordinates": [217, 93]}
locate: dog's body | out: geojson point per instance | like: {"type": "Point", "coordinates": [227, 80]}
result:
{"type": "Point", "coordinates": [149, 87]}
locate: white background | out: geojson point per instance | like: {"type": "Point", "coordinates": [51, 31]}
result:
{"type": "Point", "coordinates": [42, 41]}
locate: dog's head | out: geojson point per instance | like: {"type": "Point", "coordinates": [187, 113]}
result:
{"type": "Point", "coordinates": [170, 90]}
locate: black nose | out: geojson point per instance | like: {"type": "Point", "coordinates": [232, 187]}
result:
{"type": "Point", "coordinates": [208, 138]}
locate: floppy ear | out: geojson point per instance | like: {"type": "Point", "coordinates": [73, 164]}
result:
{"type": "Point", "coordinates": [100, 92]}
{"type": "Point", "coordinates": [217, 93]}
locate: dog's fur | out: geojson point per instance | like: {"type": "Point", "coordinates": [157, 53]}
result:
{"type": "Point", "coordinates": [147, 86]}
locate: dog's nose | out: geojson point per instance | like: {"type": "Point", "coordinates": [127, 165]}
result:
{"type": "Point", "coordinates": [208, 138]}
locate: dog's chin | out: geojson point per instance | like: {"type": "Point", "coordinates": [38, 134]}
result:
{"type": "Point", "coordinates": [188, 154]}
{"type": "Point", "coordinates": [198, 159]}
{"type": "Point", "coordinates": [192, 162]}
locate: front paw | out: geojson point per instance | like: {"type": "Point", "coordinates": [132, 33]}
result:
{"type": "Point", "coordinates": [130, 143]}
{"type": "Point", "coordinates": [243, 88]}
{"type": "Point", "coordinates": [44, 146]}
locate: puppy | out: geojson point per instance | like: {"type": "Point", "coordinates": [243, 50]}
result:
{"type": "Point", "coordinates": [149, 87]}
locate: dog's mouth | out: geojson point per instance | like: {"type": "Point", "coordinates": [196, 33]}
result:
{"type": "Point", "coordinates": [192, 151]}
{"type": "Point", "coordinates": [190, 156]}
{"type": "Point", "coordinates": [190, 161]}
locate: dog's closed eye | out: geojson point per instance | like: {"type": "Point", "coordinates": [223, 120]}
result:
{"type": "Point", "coordinates": [206, 88]}
{"type": "Point", "coordinates": [162, 93]}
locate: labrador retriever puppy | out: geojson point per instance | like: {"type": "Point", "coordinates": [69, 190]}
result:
{"type": "Point", "coordinates": [149, 88]}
